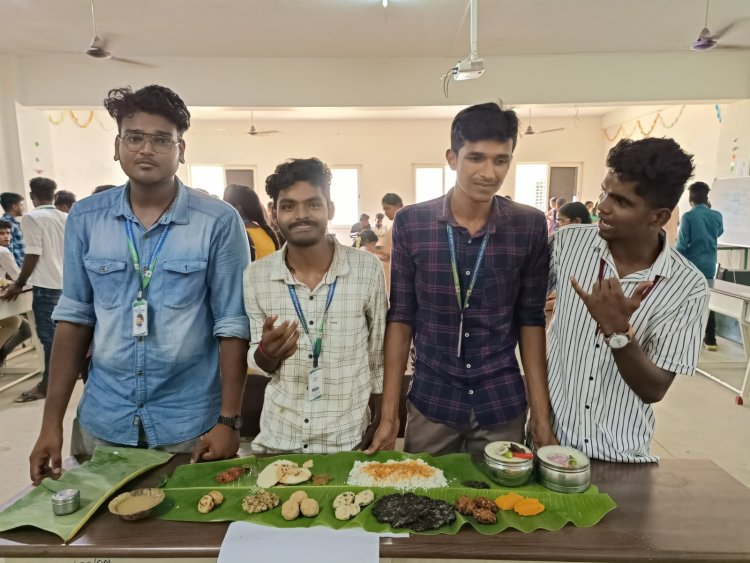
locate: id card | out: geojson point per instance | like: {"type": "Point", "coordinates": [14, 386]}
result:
{"type": "Point", "coordinates": [140, 317]}
{"type": "Point", "coordinates": [315, 383]}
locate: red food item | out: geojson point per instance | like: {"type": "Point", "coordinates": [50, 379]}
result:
{"type": "Point", "coordinates": [231, 474]}
{"type": "Point", "coordinates": [523, 455]}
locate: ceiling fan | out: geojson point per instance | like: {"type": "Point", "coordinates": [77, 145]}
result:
{"type": "Point", "coordinates": [98, 47]}
{"type": "Point", "coordinates": [707, 40]}
{"type": "Point", "coordinates": [253, 132]}
{"type": "Point", "coordinates": [531, 131]}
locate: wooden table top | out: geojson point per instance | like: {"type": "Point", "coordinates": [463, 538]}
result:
{"type": "Point", "coordinates": [678, 510]}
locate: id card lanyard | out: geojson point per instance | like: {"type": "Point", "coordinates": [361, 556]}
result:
{"type": "Point", "coordinates": [464, 303]}
{"type": "Point", "coordinates": [140, 305]}
{"type": "Point", "coordinates": [315, 377]}
{"type": "Point", "coordinates": [600, 278]}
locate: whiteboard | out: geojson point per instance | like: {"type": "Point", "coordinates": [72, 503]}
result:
{"type": "Point", "coordinates": [731, 198]}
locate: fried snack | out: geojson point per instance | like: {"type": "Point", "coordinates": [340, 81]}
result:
{"type": "Point", "coordinates": [363, 498]}
{"type": "Point", "coordinates": [217, 497]}
{"type": "Point", "coordinates": [529, 507]}
{"type": "Point", "coordinates": [346, 511]}
{"type": "Point", "coordinates": [321, 479]}
{"type": "Point", "coordinates": [290, 510]}
{"type": "Point", "coordinates": [507, 502]}
{"type": "Point", "coordinates": [344, 498]}
{"type": "Point", "coordinates": [231, 474]}
{"type": "Point", "coordinates": [464, 505]}
{"type": "Point", "coordinates": [484, 516]}
{"type": "Point", "coordinates": [260, 501]}
{"type": "Point", "coordinates": [298, 496]}
{"type": "Point", "coordinates": [309, 507]}
{"type": "Point", "coordinates": [205, 504]}
{"type": "Point", "coordinates": [485, 503]}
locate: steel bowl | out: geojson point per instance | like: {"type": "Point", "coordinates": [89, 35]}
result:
{"type": "Point", "coordinates": [563, 469]}
{"type": "Point", "coordinates": [507, 471]}
{"type": "Point", "coordinates": [66, 502]}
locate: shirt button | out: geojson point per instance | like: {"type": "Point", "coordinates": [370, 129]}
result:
{"type": "Point", "coordinates": [312, 297]}
{"type": "Point", "coordinates": [139, 372]}
{"type": "Point", "coordinates": [591, 379]}
{"type": "Point", "coordinates": [598, 346]}
{"type": "Point", "coordinates": [468, 272]}
{"type": "Point", "coordinates": [103, 269]}
{"type": "Point", "coordinates": [140, 405]}
{"type": "Point", "coordinates": [309, 356]}
{"type": "Point", "coordinates": [140, 339]}
{"type": "Point", "coordinates": [307, 420]}
{"type": "Point", "coordinates": [586, 441]}
{"type": "Point", "coordinates": [469, 242]}
{"type": "Point", "coordinates": [304, 446]}
{"type": "Point", "coordinates": [471, 391]}
{"type": "Point", "coordinates": [466, 334]}
{"type": "Point", "coordinates": [312, 322]}
{"type": "Point", "coordinates": [145, 237]}
{"type": "Point", "coordinates": [468, 366]}
{"type": "Point", "coordinates": [588, 407]}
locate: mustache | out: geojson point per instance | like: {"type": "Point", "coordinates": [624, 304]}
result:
{"type": "Point", "coordinates": [303, 224]}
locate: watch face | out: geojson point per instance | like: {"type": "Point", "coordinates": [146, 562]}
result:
{"type": "Point", "coordinates": [617, 341]}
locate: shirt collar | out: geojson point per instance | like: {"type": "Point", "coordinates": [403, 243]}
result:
{"type": "Point", "coordinates": [497, 214]}
{"type": "Point", "coordinates": [339, 265]}
{"type": "Point", "coordinates": [177, 212]}
{"type": "Point", "coordinates": [46, 206]}
{"type": "Point", "coordinates": [662, 266]}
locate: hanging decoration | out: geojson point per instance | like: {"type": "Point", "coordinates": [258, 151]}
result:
{"type": "Point", "coordinates": [37, 161]}
{"type": "Point", "coordinates": [77, 121]}
{"type": "Point", "coordinates": [717, 107]}
{"type": "Point", "coordinates": [658, 118]}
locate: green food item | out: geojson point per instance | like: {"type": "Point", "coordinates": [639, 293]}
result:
{"type": "Point", "coordinates": [572, 462]}
{"type": "Point", "coordinates": [582, 510]}
{"type": "Point", "coordinates": [508, 454]}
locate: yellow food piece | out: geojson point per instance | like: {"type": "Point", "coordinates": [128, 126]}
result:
{"type": "Point", "coordinates": [509, 501]}
{"type": "Point", "coordinates": [529, 507]}
{"type": "Point", "coordinates": [309, 507]}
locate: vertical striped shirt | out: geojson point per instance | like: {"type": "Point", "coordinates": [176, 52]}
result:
{"type": "Point", "coordinates": [593, 407]}
{"type": "Point", "coordinates": [351, 357]}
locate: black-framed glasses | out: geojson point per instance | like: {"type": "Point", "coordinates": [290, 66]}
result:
{"type": "Point", "coordinates": [160, 143]}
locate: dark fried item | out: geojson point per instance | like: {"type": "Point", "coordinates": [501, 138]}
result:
{"type": "Point", "coordinates": [485, 503]}
{"type": "Point", "coordinates": [231, 474]}
{"type": "Point", "coordinates": [476, 485]}
{"type": "Point", "coordinates": [484, 516]}
{"type": "Point", "coordinates": [416, 512]}
{"type": "Point", "coordinates": [321, 479]}
{"type": "Point", "coordinates": [464, 505]}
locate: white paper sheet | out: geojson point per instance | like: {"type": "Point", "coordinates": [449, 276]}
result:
{"type": "Point", "coordinates": [245, 541]}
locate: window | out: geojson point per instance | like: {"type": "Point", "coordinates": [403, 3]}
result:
{"type": "Point", "coordinates": [345, 194]}
{"type": "Point", "coordinates": [431, 181]}
{"type": "Point", "coordinates": [531, 185]}
{"type": "Point", "coordinates": [214, 178]}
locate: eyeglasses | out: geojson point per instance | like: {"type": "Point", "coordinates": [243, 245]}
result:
{"type": "Point", "coordinates": [603, 195]}
{"type": "Point", "coordinates": [136, 141]}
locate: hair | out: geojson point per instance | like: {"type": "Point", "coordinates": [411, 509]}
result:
{"type": "Point", "coordinates": [157, 100]}
{"type": "Point", "coordinates": [245, 200]}
{"type": "Point", "coordinates": [588, 202]}
{"type": "Point", "coordinates": [5, 225]}
{"type": "Point", "coordinates": [9, 199]}
{"type": "Point", "coordinates": [380, 216]}
{"type": "Point", "coordinates": [659, 168]}
{"type": "Point", "coordinates": [560, 201]}
{"type": "Point", "coordinates": [64, 197]}
{"type": "Point", "coordinates": [43, 188]}
{"type": "Point", "coordinates": [699, 193]}
{"type": "Point", "coordinates": [575, 210]}
{"type": "Point", "coordinates": [392, 199]}
{"type": "Point", "coordinates": [295, 170]}
{"type": "Point", "coordinates": [364, 216]}
{"type": "Point", "coordinates": [367, 236]}
{"type": "Point", "coordinates": [103, 188]}
{"type": "Point", "coordinates": [484, 122]}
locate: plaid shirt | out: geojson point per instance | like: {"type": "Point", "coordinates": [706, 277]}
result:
{"type": "Point", "coordinates": [17, 246]}
{"type": "Point", "coordinates": [510, 291]}
{"type": "Point", "coordinates": [351, 356]}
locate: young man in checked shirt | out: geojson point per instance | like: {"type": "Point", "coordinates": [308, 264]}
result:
{"type": "Point", "coordinates": [468, 282]}
{"type": "Point", "coordinates": [317, 318]}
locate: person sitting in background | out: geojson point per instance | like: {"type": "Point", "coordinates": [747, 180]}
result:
{"type": "Point", "coordinates": [64, 200]}
{"type": "Point", "coordinates": [558, 204]}
{"type": "Point", "coordinates": [13, 330]}
{"type": "Point", "coordinates": [361, 225]}
{"type": "Point", "coordinates": [380, 229]}
{"type": "Point", "coordinates": [629, 313]}
{"type": "Point", "coordinates": [272, 222]}
{"type": "Point", "coordinates": [573, 213]}
{"type": "Point", "coordinates": [368, 241]}
{"type": "Point", "coordinates": [245, 201]}
{"type": "Point", "coordinates": [551, 215]}
{"type": "Point", "coordinates": [13, 206]}
{"type": "Point", "coordinates": [700, 230]}
{"type": "Point", "coordinates": [595, 213]}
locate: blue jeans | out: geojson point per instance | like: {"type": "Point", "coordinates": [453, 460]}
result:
{"type": "Point", "coordinates": [43, 303]}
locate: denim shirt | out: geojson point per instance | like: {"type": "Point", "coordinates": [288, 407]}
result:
{"type": "Point", "coordinates": [168, 381]}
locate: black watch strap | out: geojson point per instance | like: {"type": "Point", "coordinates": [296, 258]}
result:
{"type": "Point", "coordinates": [234, 422]}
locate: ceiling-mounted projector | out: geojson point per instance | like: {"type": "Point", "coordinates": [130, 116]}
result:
{"type": "Point", "coordinates": [469, 68]}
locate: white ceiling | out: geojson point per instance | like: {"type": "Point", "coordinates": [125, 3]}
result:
{"type": "Point", "coordinates": [363, 28]}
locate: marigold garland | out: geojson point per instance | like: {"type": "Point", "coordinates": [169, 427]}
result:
{"type": "Point", "coordinates": [659, 118]}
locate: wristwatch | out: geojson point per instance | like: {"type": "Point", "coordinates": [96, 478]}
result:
{"type": "Point", "coordinates": [619, 340]}
{"type": "Point", "coordinates": [234, 422]}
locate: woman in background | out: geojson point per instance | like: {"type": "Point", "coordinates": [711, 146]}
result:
{"type": "Point", "coordinates": [573, 213]}
{"type": "Point", "coordinates": [262, 239]}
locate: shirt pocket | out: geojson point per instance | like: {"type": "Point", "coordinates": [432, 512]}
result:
{"type": "Point", "coordinates": [184, 282]}
{"type": "Point", "coordinates": [107, 278]}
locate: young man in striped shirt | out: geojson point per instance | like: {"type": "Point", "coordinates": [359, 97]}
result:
{"type": "Point", "coordinates": [630, 310]}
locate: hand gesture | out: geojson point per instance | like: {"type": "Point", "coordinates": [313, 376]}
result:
{"type": "Point", "coordinates": [608, 305]}
{"type": "Point", "coordinates": [280, 343]}
{"type": "Point", "coordinates": [46, 457]}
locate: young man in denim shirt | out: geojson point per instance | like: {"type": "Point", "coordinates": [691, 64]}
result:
{"type": "Point", "coordinates": [156, 248]}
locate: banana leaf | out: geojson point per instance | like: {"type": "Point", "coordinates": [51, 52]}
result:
{"type": "Point", "coordinates": [189, 482]}
{"type": "Point", "coordinates": [108, 470]}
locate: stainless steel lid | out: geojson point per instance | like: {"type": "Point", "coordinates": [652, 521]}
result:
{"type": "Point", "coordinates": [499, 453]}
{"type": "Point", "coordinates": [563, 458]}
{"type": "Point", "coordinates": [66, 496]}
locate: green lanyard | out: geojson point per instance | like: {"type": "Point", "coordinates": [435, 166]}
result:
{"type": "Point", "coordinates": [144, 276]}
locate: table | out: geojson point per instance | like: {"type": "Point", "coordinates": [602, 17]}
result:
{"type": "Point", "coordinates": [661, 516]}
{"type": "Point", "coordinates": [20, 306]}
{"type": "Point", "coordinates": [733, 300]}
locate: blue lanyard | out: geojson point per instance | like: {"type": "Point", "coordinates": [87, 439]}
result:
{"type": "Point", "coordinates": [464, 302]}
{"type": "Point", "coordinates": [144, 276]}
{"type": "Point", "coordinates": [317, 344]}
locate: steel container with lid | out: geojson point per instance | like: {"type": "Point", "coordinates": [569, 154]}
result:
{"type": "Point", "coordinates": [563, 469]}
{"type": "Point", "coordinates": [506, 469]}
{"type": "Point", "coordinates": [66, 502]}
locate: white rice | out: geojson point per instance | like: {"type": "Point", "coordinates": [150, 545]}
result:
{"type": "Point", "coordinates": [358, 477]}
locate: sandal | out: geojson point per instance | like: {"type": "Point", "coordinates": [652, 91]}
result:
{"type": "Point", "coordinates": [33, 394]}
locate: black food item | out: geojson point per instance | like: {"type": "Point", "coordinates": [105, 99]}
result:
{"type": "Point", "coordinates": [476, 485]}
{"type": "Point", "coordinates": [416, 512]}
